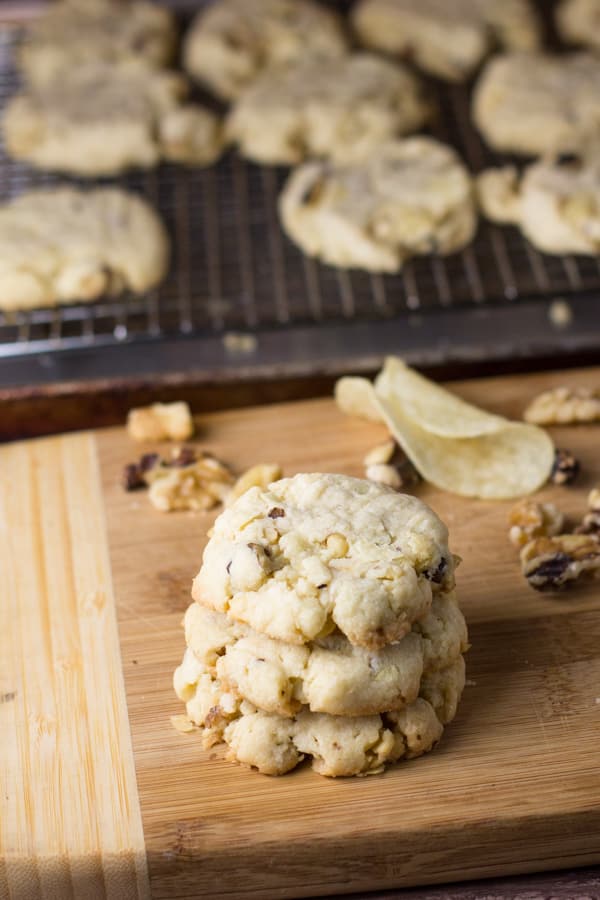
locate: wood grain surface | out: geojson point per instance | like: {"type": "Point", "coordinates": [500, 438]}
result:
{"type": "Point", "coordinates": [514, 786]}
{"type": "Point", "coordinates": [70, 824]}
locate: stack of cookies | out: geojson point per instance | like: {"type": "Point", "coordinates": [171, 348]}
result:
{"type": "Point", "coordinates": [325, 626]}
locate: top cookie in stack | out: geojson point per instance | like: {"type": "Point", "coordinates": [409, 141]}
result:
{"type": "Point", "coordinates": [326, 625]}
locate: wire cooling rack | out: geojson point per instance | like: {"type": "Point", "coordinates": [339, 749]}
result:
{"type": "Point", "coordinates": [234, 272]}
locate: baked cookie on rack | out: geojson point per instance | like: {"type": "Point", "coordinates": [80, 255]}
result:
{"type": "Point", "coordinates": [410, 197]}
{"type": "Point", "coordinates": [578, 22]}
{"type": "Point", "coordinates": [446, 39]}
{"type": "Point", "coordinates": [231, 42]}
{"type": "Point", "coordinates": [337, 109]}
{"type": "Point", "coordinates": [555, 204]}
{"type": "Point", "coordinates": [105, 119]}
{"type": "Point", "coordinates": [539, 103]}
{"type": "Point", "coordinates": [70, 33]}
{"type": "Point", "coordinates": [61, 245]}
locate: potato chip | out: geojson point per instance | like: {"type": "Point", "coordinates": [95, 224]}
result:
{"type": "Point", "coordinates": [355, 397]}
{"type": "Point", "coordinates": [433, 407]}
{"type": "Point", "coordinates": [499, 461]}
{"type": "Point", "coordinates": [498, 466]}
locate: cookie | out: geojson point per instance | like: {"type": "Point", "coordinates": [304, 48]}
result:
{"type": "Point", "coordinates": [340, 109]}
{"type": "Point", "coordinates": [538, 104]}
{"type": "Point", "coordinates": [317, 552]}
{"type": "Point", "coordinates": [70, 33]}
{"type": "Point", "coordinates": [337, 745]}
{"type": "Point", "coordinates": [578, 22]}
{"type": "Point", "coordinates": [61, 245]}
{"type": "Point", "coordinates": [446, 39]}
{"type": "Point", "coordinates": [328, 675]}
{"type": "Point", "coordinates": [105, 119]}
{"type": "Point", "coordinates": [231, 42]}
{"type": "Point", "coordinates": [556, 204]}
{"type": "Point", "coordinates": [410, 197]}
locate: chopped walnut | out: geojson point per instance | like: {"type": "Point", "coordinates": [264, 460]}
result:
{"type": "Point", "coordinates": [550, 563]}
{"type": "Point", "coordinates": [197, 485]}
{"type": "Point", "coordinates": [380, 454]}
{"type": "Point", "coordinates": [565, 468]}
{"type": "Point", "coordinates": [591, 521]}
{"type": "Point", "coordinates": [382, 473]}
{"type": "Point", "coordinates": [387, 464]}
{"type": "Point", "coordinates": [528, 520]}
{"type": "Point", "coordinates": [564, 406]}
{"type": "Point", "coordinates": [160, 422]}
{"type": "Point", "coordinates": [260, 475]}
{"type": "Point", "coordinates": [593, 499]}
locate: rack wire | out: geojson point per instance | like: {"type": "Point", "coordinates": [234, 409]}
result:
{"type": "Point", "coordinates": [233, 268]}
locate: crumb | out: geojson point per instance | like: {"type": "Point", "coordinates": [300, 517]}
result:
{"type": "Point", "coordinates": [560, 313]}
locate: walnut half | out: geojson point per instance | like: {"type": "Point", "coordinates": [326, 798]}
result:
{"type": "Point", "coordinates": [551, 563]}
{"type": "Point", "coordinates": [528, 520]}
{"type": "Point", "coordinates": [564, 406]}
{"type": "Point", "coordinates": [160, 422]}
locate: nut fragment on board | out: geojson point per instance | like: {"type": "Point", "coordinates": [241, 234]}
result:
{"type": "Point", "coordinates": [260, 475]}
{"type": "Point", "coordinates": [591, 521]}
{"type": "Point", "coordinates": [565, 468]}
{"type": "Point", "coordinates": [197, 485]}
{"type": "Point", "coordinates": [187, 480]}
{"type": "Point", "coordinates": [564, 406]}
{"type": "Point", "coordinates": [551, 563]}
{"type": "Point", "coordinates": [161, 422]}
{"type": "Point", "coordinates": [381, 453]}
{"type": "Point", "coordinates": [384, 473]}
{"type": "Point", "coordinates": [528, 520]}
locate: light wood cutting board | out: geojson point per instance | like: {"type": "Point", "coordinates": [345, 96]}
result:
{"type": "Point", "coordinates": [101, 797]}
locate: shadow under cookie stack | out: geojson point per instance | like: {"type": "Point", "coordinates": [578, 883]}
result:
{"type": "Point", "coordinates": [324, 626]}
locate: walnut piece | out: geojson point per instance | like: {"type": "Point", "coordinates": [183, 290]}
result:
{"type": "Point", "coordinates": [383, 473]}
{"type": "Point", "coordinates": [381, 454]}
{"type": "Point", "coordinates": [160, 422]}
{"type": "Point", "coordinates": [591, 521]}
{"type": "Point", "coordinates": [565, 468]}
{"type": "Point", "coordinates": [564, 406]}
{"type": "Point", "coordinates": [260, 475]}
{"type": "Point", "coordinates": [528, 520]}
{"type": "Point", "coordinates": [550, 563]}
{"type": "Point", "coordinates": [196, 485]}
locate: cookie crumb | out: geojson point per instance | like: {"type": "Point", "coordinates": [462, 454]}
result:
{"type": "Point", "coordinates": [182, 724]}
{"type": "Point", "coordinates": [238, 342]}
{"type": "Point", "coordinates": [560, 313]}
{"type": "Point", "coordinates": [161, 422]}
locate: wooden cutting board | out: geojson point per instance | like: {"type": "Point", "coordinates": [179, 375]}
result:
{"type": "Point", "coordinates": [101, 797]}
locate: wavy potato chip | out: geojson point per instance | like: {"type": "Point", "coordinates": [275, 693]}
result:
{"type": "Point", "coordinates": [498, 466]}
{"type": "Point", "coordinates": [433, 407]}
{"type": "Point", "coordinates": [509, 461]}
